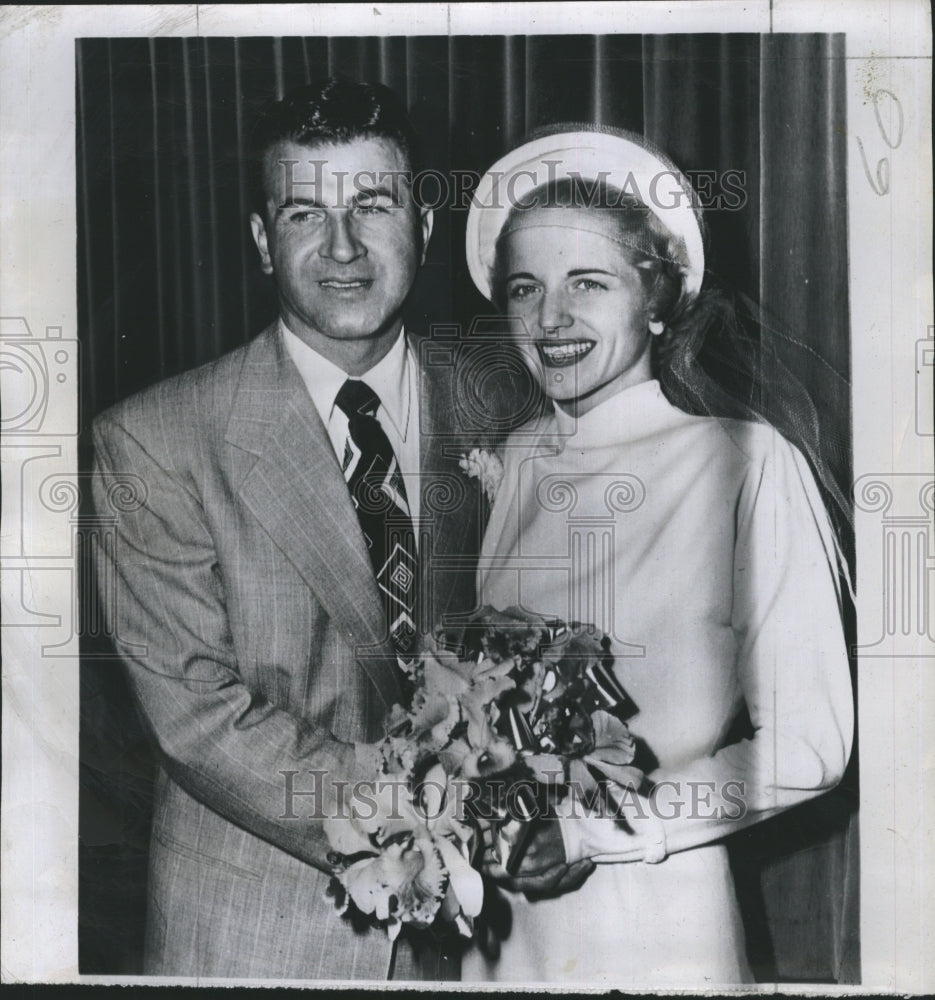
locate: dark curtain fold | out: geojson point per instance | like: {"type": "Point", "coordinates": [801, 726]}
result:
{"type": "Point", "coordinates": [168, 278]}
{"type": "Point", "coordinates": [803, 219]}
{"type": "Point", "coordinates": [803, 286]}
{"type": "Point", "coordinates": [701, 106]}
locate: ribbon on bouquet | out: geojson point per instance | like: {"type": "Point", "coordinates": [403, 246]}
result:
{"type": "Point", "coordinates": [515, 830]}
{"type": "Point", "coordinates": [610, 690]}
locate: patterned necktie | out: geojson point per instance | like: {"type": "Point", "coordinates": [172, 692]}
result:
{"type": "Point", "coordinates": [379, 495]}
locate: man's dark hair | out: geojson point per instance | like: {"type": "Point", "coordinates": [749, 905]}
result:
{"type": "Point", "coordinates": [326, 112]}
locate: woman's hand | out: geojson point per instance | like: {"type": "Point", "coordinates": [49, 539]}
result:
{"type": "Point", "coordinates": [633, 832]}
{"type": "Point", "coordinates": [543, 868]}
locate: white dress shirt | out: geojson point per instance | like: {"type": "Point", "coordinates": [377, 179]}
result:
{"type": "Point", "coordinates": [393, 379]}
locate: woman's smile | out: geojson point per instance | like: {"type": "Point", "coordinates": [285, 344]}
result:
{"type": "Point", "coordinates": [561, 353]}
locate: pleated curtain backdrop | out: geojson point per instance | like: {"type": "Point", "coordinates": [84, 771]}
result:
{"type": "Point", "coordinates": [168, 278]}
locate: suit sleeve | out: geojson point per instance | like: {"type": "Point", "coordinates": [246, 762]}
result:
{"type": "Point", "coordinates": [793, 671]}
{"type": "Point", "coordinates": [221, 742]}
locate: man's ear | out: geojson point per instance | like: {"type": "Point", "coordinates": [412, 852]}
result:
{"type": "Point", "coordinates": [258, 228]}
{"type": "Point", "coordinates": [426, 221]}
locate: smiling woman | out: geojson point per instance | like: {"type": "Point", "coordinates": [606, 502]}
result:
{"type": "Point", "coordinates": [588, 298]}
{"type": "Point", "coordinates": [698, 580]}
{"type": "Point", "coordinates": [583, 305]}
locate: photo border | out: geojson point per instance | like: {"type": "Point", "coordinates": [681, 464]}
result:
{"type": "Point", "coordinates": [889, 223]}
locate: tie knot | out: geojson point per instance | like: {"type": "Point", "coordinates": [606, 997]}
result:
{"type": "Point", "coordinates": [356, 397]}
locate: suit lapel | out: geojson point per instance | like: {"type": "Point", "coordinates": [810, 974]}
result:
{"type": "Point", "coordinates": [295, 489]}
{"type": "Point", "coordinates": [450, 501]}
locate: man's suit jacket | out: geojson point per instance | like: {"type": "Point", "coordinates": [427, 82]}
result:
{"type": "Point", "coordinates": [248, 617]}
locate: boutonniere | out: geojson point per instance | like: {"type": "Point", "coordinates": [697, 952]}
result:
{"type": "Point", "coordinates": [486, 467]}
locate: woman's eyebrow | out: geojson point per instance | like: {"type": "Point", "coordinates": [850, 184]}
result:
{"type": "Point", "coordinates": [574, 273]}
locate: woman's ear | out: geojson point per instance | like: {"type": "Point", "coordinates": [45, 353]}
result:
{"type": "Point", "coordinates": [663, 296]}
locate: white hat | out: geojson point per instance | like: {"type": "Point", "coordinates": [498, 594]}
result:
{"type": "Point", "coordinates": [619, 159]}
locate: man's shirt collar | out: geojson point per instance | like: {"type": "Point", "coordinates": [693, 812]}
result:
{"type": "Point", "coordinates": [389, 378]}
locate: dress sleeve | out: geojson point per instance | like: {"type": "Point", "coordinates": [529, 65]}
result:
{"type": "Point", "coordinates": [793, 671]}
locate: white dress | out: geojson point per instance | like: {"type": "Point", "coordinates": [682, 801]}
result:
{"type": "Point", "coordinates": [702, 548]}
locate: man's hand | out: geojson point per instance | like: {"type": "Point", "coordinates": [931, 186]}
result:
{"type": "Point", "coordinates": [544, 869]}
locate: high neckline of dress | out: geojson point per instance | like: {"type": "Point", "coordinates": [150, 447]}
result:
{"type": "Point", "coordinates": [626, 416]}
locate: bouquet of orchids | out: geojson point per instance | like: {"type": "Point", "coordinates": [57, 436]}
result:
{"type": "Point", "coordinates": [503, 723]}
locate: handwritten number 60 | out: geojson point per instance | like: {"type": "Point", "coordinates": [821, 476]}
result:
{"type": "Point", "coordinates": [893, 140]}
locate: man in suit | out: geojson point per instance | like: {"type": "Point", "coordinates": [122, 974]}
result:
{"type": "Point", "coordinates": [260, 638]}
